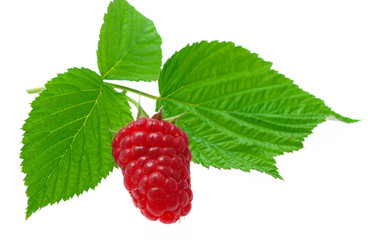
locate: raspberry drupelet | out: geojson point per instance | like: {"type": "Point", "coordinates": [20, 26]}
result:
{"type": "Point", "coordinates": [155, 160]}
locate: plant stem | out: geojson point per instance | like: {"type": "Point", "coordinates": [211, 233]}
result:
{"type": "Point", "coordinates": [141, 112]}
{"type": "Point", "coordinates": [132, 90]}
{"type": "Point", "coordinates": [132, 101]}
{"type": "Point", "coordinates": [38, 90]}
{"type": "Point", "coordinates": [35, 90]}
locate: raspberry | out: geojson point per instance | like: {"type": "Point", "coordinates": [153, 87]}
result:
{"type": "Point", "coordinates": [155, 160]}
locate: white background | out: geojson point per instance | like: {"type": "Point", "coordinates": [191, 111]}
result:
{"type": "Point", "coordinates": [322, 45]}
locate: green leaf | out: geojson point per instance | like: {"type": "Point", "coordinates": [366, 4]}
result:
{"type": "Point", "coordinates": [67, 141]}
{"type": "Point", "coordinates": [241, 113]}
{"type": "Point", "coordinates": [129, 46]}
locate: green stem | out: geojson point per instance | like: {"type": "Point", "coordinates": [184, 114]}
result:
{"type": "Point", "coordinates": [132, 90]}
{"type": "Point", "coordinates": [141, 112]}
{"type": "Point", "coordinates": [132, 101]}
{"type": "Point", "coordinates": [35, 90]}
{"type": "Point", "coordinates": [38, 90]}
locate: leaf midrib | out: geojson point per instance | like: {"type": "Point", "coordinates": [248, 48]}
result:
{"type": "Point", "coordinates": [133, 43]}
{"type": "Point", "coordinates": [68, 148]}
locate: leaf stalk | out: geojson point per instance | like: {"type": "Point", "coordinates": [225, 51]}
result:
{"type": "Point", "coordinates": [132, 90]}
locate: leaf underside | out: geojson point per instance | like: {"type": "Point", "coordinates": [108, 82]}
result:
{"type": "Point", "coordinates": [241, 112]}
{"type": "Point", "coordinates": [67, 141]}
{"type": "Point", "coordinates": [129, 47]}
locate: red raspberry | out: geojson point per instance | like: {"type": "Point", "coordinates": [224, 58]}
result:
{"type": "Point", "coordinates": [155, 160]}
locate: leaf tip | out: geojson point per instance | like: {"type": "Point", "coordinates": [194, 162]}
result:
{"type": "Point", "coordinates": [28, 214]}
